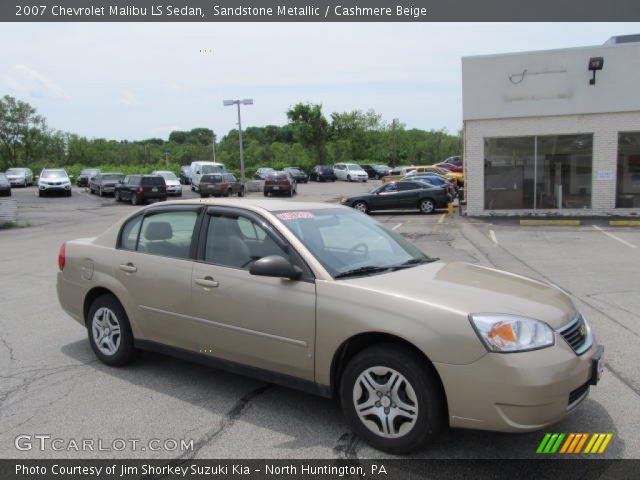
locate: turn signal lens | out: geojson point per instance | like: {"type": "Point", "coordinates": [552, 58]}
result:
{"type": "Point", "coordinates": [510, 333]}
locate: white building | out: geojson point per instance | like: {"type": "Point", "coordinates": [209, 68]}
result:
{"type": "Point", "coordinates": [542, 137]}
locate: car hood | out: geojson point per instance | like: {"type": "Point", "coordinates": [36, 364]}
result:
{"type": "Point", "coordinates": [16, 176]}
{"type": "Point", "coordinates": [468, 288]}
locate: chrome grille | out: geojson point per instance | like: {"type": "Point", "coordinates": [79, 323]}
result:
{"type": "Point", "coordinates": [577, 334]}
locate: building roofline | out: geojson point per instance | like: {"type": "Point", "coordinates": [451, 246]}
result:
{"type": "Point", "coordinates": [553, 50]}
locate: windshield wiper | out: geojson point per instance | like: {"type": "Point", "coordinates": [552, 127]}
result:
{"type": "Point", "coordinates": [367, 270]}
{"type": "Point", "coordinates": [413, 263]}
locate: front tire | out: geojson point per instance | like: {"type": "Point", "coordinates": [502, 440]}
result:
{"type": "Point", "coordinates": [361, 207]}
{"type": "Point", "coordinates": [109, 331]}
{"type": "Point", "coordinates": [348, 178]}
{"type": "Point", "coordinates": [393, 398]}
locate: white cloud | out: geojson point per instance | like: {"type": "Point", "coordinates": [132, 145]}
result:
{"type": "Point", "coordinates": [129, 99]}
{"type": "Point", "coordinates": [23, 80]}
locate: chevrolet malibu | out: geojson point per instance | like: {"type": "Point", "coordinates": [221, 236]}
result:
{"type": "Point", "coordinates": [325, 299]}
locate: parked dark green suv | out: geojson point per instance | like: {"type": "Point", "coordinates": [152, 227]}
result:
{"type": "Point", "coordinates": [403, 195]}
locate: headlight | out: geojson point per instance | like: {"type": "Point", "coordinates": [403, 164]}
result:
{"type": "Point", "coordinates": [510, 333]}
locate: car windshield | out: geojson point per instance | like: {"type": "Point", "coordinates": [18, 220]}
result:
{"type": "Point", "coordinates": [16, 171]}
{"type": "Point", "coordinates": [54, 174]}
{"type": "Point", "coordinates": [168, 175]}
{"type": "Point", "coordinates": [109, 177]}
{"type": "Point", "coordinates": [90, 171]}
{"type": "Point", "coordinates": [354, 167]}
{"type": "Point", "coordinates": [348, 243]}
{"type": "Point", "coordinates": [381, 167]}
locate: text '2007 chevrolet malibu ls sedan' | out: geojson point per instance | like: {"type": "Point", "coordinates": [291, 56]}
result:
{"type": "Point", "coordinates": [325, 299]}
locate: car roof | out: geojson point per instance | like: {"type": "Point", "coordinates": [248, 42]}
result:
{"type": "Point", "coordinates": [249, 203]}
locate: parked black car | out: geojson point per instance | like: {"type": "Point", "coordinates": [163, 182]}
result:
{"type": "Point", "coordinates": [298, 174]}
{"type": "Point", "coordinates": [185, 175]}
{"type": "Point", "coordinates": [220, 185]}
{"type": "Point", "coordinates": [402, 195]}
{"type": "Point", "coordinates": [280, 183]}
{"type": "Point", "coordinates": [139, 188]}
{"type": "Point", "coordinates": [322, 173]}
{"type": "Point", "coordinates": [105, 183]}
{"type": "Point", "coordinates": [376, 171]}
{"type": "Point", "coordinates": [5, 186]}
{"type": "Point", "coordinates": [85, 176]}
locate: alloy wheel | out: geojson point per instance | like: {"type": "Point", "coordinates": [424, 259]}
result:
{"type": "Point", "coordinates": [106, 331]}
{"type": "Point", "coordinates": [385, 402]}
{"type": "Point", "coordinates": [427, 206]}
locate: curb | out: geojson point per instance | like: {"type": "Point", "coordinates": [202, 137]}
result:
{"type": "Point", "coordinates": [542, 222]}
{"type": "Point", "coordinates": [624, 223]}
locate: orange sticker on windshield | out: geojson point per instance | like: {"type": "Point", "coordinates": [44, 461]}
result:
{"type": "Point", "coordinates": [294, 215]}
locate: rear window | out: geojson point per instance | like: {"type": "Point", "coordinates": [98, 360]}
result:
{"type": "Point", "coordinates": [112, 177]}
{"type": "Point", "coordinates": [211, 179]}
{"type": "Point", "coordinates": [278, 176]}
{"type": "Point", "coordinates": [152, 181]}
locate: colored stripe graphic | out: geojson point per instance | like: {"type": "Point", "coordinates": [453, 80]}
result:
{"type": "Point", "coordinates": [573, 443]}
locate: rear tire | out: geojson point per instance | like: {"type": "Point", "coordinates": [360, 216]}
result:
{"type": "Point", "coordinates": [393, 398]}
{"type": "Point", "coordinates": [348, 178]}
{"type": "Point", "coordinates": [135, 200]}
{"type": "Point", "coordinates": [241, 192]}
{"type": "Point", "coordinates": [427, 206]}
{"type": "Point", "coordinates": [110, 332]}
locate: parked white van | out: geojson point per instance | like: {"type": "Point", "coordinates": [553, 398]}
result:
{"type": "Point", "coordinates": [197, 169]}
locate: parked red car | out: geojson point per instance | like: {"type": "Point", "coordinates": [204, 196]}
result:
{"type": "Point", "coordinates": [449, 167]}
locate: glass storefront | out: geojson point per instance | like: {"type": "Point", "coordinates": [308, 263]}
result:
{"type": "Point", "coordinates": [628, 171]}
{"type": "Point", "coordinates": [540, 172]}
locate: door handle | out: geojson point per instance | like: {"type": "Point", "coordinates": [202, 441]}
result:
{"type": "Point", "coordinates": [207, 282]}
{"type": "Point", "coordinates": [128, 267]}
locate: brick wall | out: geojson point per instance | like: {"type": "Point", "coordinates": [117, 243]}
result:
{"type": "Point", "coordinates": [604, 127]}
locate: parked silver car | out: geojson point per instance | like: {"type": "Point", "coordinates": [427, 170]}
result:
{"type": "Point", "coordinates": [54, 180]}
{"type": "Point", "coordinates": [20, 177]}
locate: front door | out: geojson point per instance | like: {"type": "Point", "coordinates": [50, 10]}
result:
{"type": "Point", "coordinates": [264, 322]}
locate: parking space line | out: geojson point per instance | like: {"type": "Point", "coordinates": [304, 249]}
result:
{"type": "Point", "coordinates": [396, 226]}
{"type": "Point", "coordinates": [441, 219]}
{"type": "Point", "coordinates": [494, 239]}
{"type": "Point", "coordinates": [611, 235]}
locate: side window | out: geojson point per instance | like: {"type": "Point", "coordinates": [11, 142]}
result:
{"type": "Point", "coordinates": [126, 180]}
{"type": "Point", "coordinates": [129, 234]}
{"type": "Point", "coordinates": [168, 234]}
{"type": "Point", "coordinates": [405, 186]}
{"type": "Point", "coordinates": [237, 242]}
{"type": "Point", "coordinates": [390, 188]}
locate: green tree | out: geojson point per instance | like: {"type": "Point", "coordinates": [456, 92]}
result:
{"type": "Point", "coordinates": [20, 127]}
{"type": "Point", "coordinates": [311, 128]}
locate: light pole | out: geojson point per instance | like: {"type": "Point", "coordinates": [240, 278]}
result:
{"type": "Point", "coordinates": [214, 146]}
{"type": "Point", "coordinates": [246, 101]}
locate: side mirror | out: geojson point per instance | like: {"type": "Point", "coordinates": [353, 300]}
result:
{"type": "Point", "coordinates": [275, 266]}
{"type": "Point", "coordinates": [197, 172]}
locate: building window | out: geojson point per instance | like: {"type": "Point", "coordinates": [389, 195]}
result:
{"type": "Point", "coordinates": [543, 172]}
{"type": "Point", "coordinates": [628, 181]}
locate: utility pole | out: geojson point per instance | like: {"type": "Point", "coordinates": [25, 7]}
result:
{"type": "Point", "coordinates": [395, 141]}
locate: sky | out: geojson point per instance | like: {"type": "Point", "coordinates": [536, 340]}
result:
{"type": "Point", "coordinates": [141, 80]}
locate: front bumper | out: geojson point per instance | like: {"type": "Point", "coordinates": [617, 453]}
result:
{"type": "Point", "coordinates": [174, 189]}
{"type": "Point", "coordinates": [17, 181]}
{"type": "Point", "coordinates": [54, 186]}
{"type": "Point", "coordinates": [519, 392]}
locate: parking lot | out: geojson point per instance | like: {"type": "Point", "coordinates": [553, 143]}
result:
{"type": "Point", "coordinates": [53, 384]}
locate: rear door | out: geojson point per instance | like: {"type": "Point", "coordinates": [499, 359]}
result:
{"type": "Point", "coordinates": [408, 194]}
{"type": "Point", "coordinates": [154, 264]}
{"type": "Point", "coordinates": [264, 322]}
